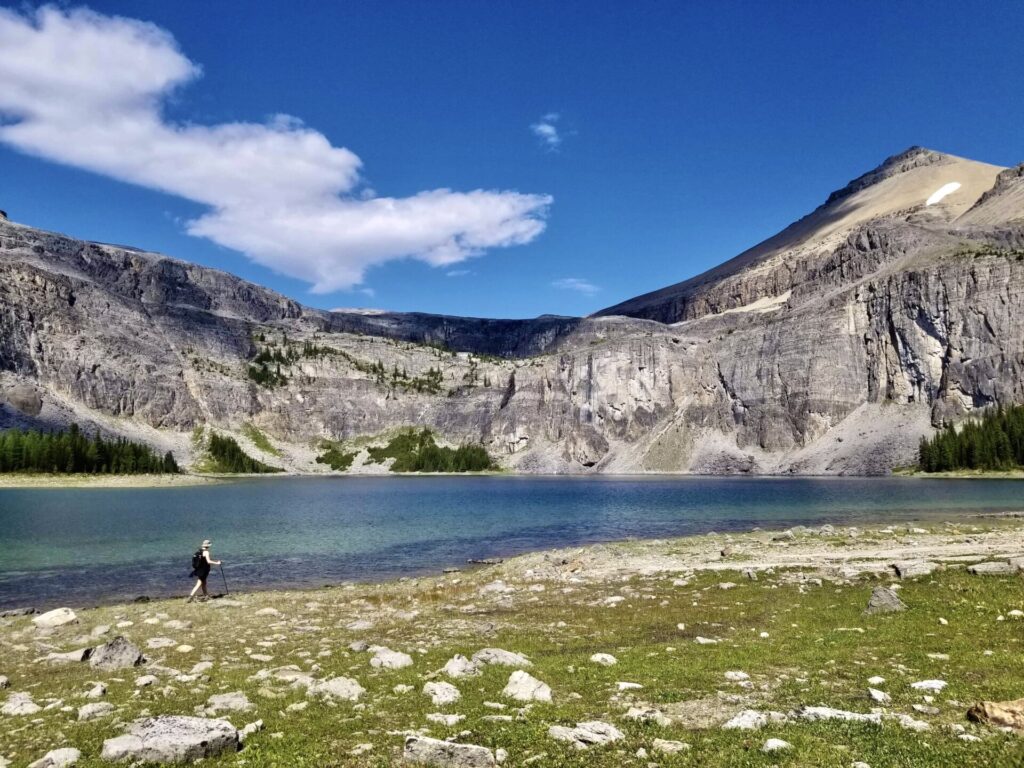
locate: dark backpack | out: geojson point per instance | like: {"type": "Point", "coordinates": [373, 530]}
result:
{"type": "Point", "coordinates": [197, 561]}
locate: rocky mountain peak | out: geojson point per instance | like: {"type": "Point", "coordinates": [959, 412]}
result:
{"type": "Point", "coordinates": [907, 160]}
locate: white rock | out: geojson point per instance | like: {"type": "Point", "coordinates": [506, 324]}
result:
{"type": "Point", "coordinates": [459, 666]}
{"type": "Point", "coordinates": [172, 739]}
{"type": "Point", "coordinates": [668, 747]}
{"type": "Point", "coordinates": [420, 750]}
{"type": "Point", "coordinates": [705, 640]}
{"type": "Point", "coordinates": [815, 714]}
{"type": "Point", "coordinates": [160, 642]}
{"type": "Point", "coordinates": [647, 715]}
{"type": "Point", "coordinates": [58, 758]}
{"type": "Point", "coordinates": [776, 745]}
{"type": "Point", "coordinates": [876, 680]}
{"type": "Point", "coordinates": [929, 685]}
{"type": "Point", "coordinates": [736, 676]}
{"type": "Point", "coordinates": [250, 729]}
{"type": "Point", "coordinates": [145, 680]}
{"type": "Point", "coordinates": [442, 694]}
{"type": "Point", "coordinates": [336, 689]}
{"type": "Point", "coordinates": [906, 721]}
{"type": "Point", "coordinates": [752, 719]}
{"type": "Point", "coordinates": [235, 701]}
{"type": "Point", "coordinates": [95, 711]}
{"type": "Point", "coordinates": [624, 686]}
{"type": "Point", "coordinates": [385, 658]}
{"type": "Point", "coordinates": [55, 618]}
{"type": "Point", "coordinates": [19, 704]}
{"type": "Point", "coordinates": [880, 696]}
{"type": "Point", "coordinates": [447, 720]}
{"type": "Point", "coordinates": [501, 658]}
{"type": "Point", "coordinates": [98, 691]}
{"type": "Point", "coordinates": [604, 659]}
{"type": "Point", "coordinates": [589, 734]}
{"type": "Point", "coordinates": [522, 686]}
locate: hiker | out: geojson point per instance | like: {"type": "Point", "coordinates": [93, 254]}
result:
{"type": "Point", "coordinates": [201, 563]}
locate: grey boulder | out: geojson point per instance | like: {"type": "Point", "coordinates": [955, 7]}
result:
{"type": "Point", "coordinates": [421, 750]}
{"type": "Point", "coordinates": [118, 653]}
{"type": "Point", "coordinates": [172, 739]}
{"type": "Point", "coordinates": [58, 758]}
{"type": "Point", "coordinates": [884, 600]}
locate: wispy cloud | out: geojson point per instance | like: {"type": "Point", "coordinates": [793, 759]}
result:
{"type": "Point", "coordinates": [458, 272]}
{"type": "Point", "coordinates": [577, 284]}
{"type": "Point", "coordinates": [87, 90]}
{"type": "Point", "coordinates": [546, 130]}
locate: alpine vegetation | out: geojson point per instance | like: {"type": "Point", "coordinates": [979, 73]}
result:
{"type": "Point", "coordinates": [73, 452]}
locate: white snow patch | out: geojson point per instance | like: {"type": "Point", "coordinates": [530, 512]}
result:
{"type": "Point", "coordinates": [941, 192]}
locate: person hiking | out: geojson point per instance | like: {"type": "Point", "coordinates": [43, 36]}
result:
{"type": "Point", "coordinates": [201, 563]}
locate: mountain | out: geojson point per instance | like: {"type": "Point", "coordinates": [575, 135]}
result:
{"type": "Point", "coordinates": [895, 307]}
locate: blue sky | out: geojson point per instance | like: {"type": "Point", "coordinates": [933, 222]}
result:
{"type": "Point", "coordinates": [677, 135]}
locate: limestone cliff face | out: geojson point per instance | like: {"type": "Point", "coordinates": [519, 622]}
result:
{"type": "Point", "coordinates": [831, 349]}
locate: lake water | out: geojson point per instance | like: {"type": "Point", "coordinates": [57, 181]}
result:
{"type": "Point", "coordinates": [83, 546]}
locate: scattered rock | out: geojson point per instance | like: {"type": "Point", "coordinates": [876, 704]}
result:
{"type": "Point", "coordinates": [929, 685]}
{"type": "Point", "coordinates": [336, 688]}
{"type": "Point", "coordinates": [11, 613]}
{"type": "Point", "coordinates": [172, 739]}
{"type": "Point", "coordinates": [876, 680]}
{"type": "Point", "coordinates": [648, 715]}
{"type": "Point", "coordinates": [880, 696]}
{"type": "Point", "coordinates": [250, 729]}
{"type": "Point", "coordinates": [604, 659]}
{"type": "Point", "coordinates": [585, 735]}
{"type": "Point", "coordinates": [160, 642]}
{"type": "Point", "coordinates": [118, 653]}
{"type": "Point", "coordinates": [58, 758]}
{"type": "Point", "coordinates": [752, 719]}
{"type": "Point", "coordinates": [501, 657]}
{"type": "Point", "coordinates": [1003, 714]}
{"type": "Point", "coordinates": [421, 750]}
{"type": "Point", "coordinates": [776, 745]}
{"type": "Point", "coordinates": [94, 711]}
{"type": "Point", "coordinates": [385, 658]}
{"type": "Point", "coordinates": [906, 721]}
{"type": "Point", "coordinates": [442, 694]}
{"type": "Point", "coordinates": [994, 568]}
{"type": "Point", "coordinates": [449, 721]}
{"type": "Point", "coordinates": [55, 618]}
{"type": "Point", "coordinates": [705, 640]}
{"type": "Point", "coordinates": [911, 569]}
{"type": "Point", "coordinates": [816, 714]}
{"type": "Point", "coordinates": [522, 686]}
{"type": "Point", "coordinates": [144, 681]}
{"type": "Point", "coordinates": [668, 747]}
{"type": "Point", "coordinates": [460, 666]}
{"type": "Point", "coordinates": [70, 657]}
{"type": "Point", "coordinates": [4, 682]}
{"type": "Point", "coordinates": [236, 701]}
{"type": "Point", "coordinates": [884, 600]}
{"type": "Point", "coordinates": [19, 704]}
{"type": "Point", "coordinates": [734, 676]}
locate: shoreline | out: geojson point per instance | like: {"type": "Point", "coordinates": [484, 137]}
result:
{"type": "Point", "coordinates": [184, 480]}
{"type": "Point", "coordinates": [664, 644]}
{"type": "Point", "coordinates": [874, 547]}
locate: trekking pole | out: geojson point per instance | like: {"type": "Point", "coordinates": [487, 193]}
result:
{"type": "Point", "coordinates": [225, 580]}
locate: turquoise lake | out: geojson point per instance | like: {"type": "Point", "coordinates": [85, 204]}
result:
{"type": "Point", "coordinates": [80, 547]}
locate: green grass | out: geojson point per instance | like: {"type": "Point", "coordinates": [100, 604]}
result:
{"type": "Point", "coordinates": [805, 660]}
{"type": "Point", "coordinates": [259, 439]}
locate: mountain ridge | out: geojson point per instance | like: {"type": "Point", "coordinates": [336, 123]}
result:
{"type": "Point", "coordinates": [831, 356]}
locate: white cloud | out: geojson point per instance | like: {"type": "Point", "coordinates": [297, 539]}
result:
{"type": "Point", "coordinates": [87, 90]}
{"type": "Point", "coordinates": [458, 272]}
{"type": "Point", "coordinates": [577, 284]}
{"type": "Point", "coordinates": [546, 130]}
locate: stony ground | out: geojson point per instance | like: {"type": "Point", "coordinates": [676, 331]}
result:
{"type": "Point", "coordinates": [692, 652]}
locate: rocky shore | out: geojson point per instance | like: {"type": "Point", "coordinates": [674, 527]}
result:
{"type": "Point", "coordinates": [876, 646]}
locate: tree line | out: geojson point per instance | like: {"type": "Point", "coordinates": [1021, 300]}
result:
{"type": "Point", "coordinates": [227, 456]}
{"type": "Point", "coordinates": [74, 452]}
{"type": "Point", "coordinates": [993, 442]}
{"type": "Point", "coordinates": [416, 451]}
